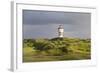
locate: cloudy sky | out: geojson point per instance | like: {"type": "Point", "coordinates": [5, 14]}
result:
{"type": "Point", "coordinates": [44, 24]}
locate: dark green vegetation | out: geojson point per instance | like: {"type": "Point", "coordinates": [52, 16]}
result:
{"type": "Point", "coordinates": [56, 49]}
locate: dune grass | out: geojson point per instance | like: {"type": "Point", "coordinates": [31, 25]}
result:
{"type": "Point", "coordinates": [77, 49]}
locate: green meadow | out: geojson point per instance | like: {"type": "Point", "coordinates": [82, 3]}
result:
{"type": "Point", "coordinates": [56, 49]}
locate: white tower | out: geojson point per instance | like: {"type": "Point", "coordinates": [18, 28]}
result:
{"type": "Point", "coordinates": [60, 31]}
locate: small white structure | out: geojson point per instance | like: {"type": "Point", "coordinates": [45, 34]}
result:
{"type": "Point", "coordinates": [60, 31]}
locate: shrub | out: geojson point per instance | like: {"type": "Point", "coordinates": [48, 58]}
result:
{"type": "Point", "coordinates": [39, 45]}
{"type": "Point", "coordinates": [49, 45]}
{"type": "Point", "coordinates": [43, 45]}
{"type": "Point", "coordinates": [63, 49]}
{"type": "Point", "coordinates": [58, 46]}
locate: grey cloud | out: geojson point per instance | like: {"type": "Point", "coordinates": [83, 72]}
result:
{"type": "Point", "coordinates": [38, 24]}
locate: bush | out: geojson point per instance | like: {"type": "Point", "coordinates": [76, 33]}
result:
{"type": "Point", "coordinates": [43, 45]}
{"type": "Point", "coordinates": [58, 46]}
{"type": "Point", "coordinates": [39, 45]}
{"type": "Point", "coordinates": [63, 49]}
{"type": "Point", "coordinates": [49, 45]}
{"type": "Point", "coordinates": [28, 42]}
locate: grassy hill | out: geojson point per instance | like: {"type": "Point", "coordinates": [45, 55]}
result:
{"type": "Point", "coordinates": [56, 49]}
